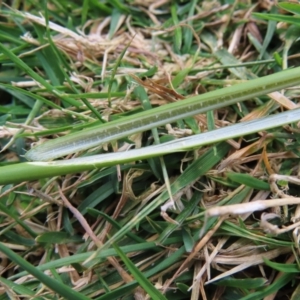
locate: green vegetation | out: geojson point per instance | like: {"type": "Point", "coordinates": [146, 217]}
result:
{"type": "Point", "coordinates": [150, 150]}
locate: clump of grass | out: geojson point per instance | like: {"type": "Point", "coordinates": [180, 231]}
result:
{"type": "Point", "coordinates": [109, 222]}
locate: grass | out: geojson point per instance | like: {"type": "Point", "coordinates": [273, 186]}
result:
{"type": "Point", "coordinates": [207, 94]}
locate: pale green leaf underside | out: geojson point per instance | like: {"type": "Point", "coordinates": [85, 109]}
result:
{"type": "Point", "coordinates": [165, 114]}
{"type": "Point", "coordinates": [36, 170]}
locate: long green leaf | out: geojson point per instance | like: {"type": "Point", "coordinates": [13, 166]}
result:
{"type": "Point", "coordinates": [36, 170]}
{"type": "Point", "coordinates": [22, 65]}
{"type": "Point", "coordinates": [54, 285]}
{"type": "Point", "coordinates": [139, 276]}
{"type": "Point", "coordinates": [139, 122]}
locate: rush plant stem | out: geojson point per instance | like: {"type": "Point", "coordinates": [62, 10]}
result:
{"type": "Point", "coordinates": [165, 114]}
{"type": "Point", "coordinates": [36, 170]}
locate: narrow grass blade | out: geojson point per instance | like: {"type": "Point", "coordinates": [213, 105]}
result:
{"type": "Point", "coordinates": [177, 39]}
{"type": "Point", "coordinates": [291, 7]}
{"type": "Point", "coordinates": [114, 71]}
{"type": "Point", "coordinates": [80, 257]}
{"type": "Point", "coordinates": [60, 61]}
{"type": "Point", "coordinates": [188, 209]}
{"type": "Point", "coordinates": [54, 285]}
{"type": "Point", "coordinates": [251, 283]}
{"type": "Point", "coordinates": [19, 288]}
{"type": "Point", "coordinates": [35, 110]}
{"type": "Point", "coordinates": [286, 268]}
{"type": "Point", "coordinates": [279, 18]}
{"type": "Point", "coordinates": [36, 170]}
{"type": "Point", "coordinates": [139, 276]}
{"type": "Point", "coordinates": [272, 288]}
{"type": "Point", "coordinates": [36, 76]}
{"type": "Point", "coordinates": [248, 180]}
{"type": "Point", "coordinates": [198, 168]}
{"type": "Point", "coordinates": [6, 210]}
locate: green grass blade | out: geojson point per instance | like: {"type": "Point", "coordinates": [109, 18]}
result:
{"type": "Point", "coordinates": [162, 115]}
{"type": "Point", "coordinates": [9, 212]}
{"type": "Point", "coordinates": [36, 170]}
{"type": "Point", "coordinates": [248, 180]}
{"type": "Point", "coordinates": [251, 283]}
{"type": "Point", "coordinates": [291, 7]}
{"type": "Point", "coordinates": [272, 288]}
{"type": "Point", "coordinates": [22, 65]}
{"type": "Point", "coordinates": [198, 168]}
{"type": "Point", "coordinates": [25, 67]}
{"type": "Point", "coordinates": [139, 276]}
{"type": "Point", "coordinates": [279, 18]}
{"type": "Point", "coordinates": [114, 71]}
{"type": "Point", "coordinates": [34, 112]}
{"type": "Point", "coordinates": [286, 268]}
{"type": "Point", "coordinates": [61, 289]}
{"type": "Point", "coordinates": [177, 39]}
{"type": "Point", "coordinates": [19, 288]}
{"type": "Point", "coordinates": [188, 209]}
